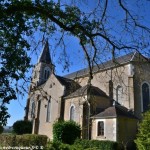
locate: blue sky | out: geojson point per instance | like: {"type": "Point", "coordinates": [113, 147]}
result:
{"type": "Point", "coordinates": [76, 57]}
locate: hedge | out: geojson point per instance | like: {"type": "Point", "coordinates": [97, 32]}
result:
{"type": "Point", "coordinates": [96, 144]}
{"type": "Point", "coordinates": [62, 146]}
{"type": "Point", "coordinates": [85, 145]}
{"type": "Point", "coordinates": [23, 140]}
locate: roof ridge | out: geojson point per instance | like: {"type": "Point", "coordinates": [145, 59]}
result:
{"type": "Point", "coordinates": [133, 56]}
{"type": "Point", "coordinates": [64, 78]}
{"type": "Point", "coordinates": [125, 58]}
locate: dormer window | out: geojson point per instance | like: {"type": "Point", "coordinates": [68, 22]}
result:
{"type": "Point", "coordinates": [46, 72]}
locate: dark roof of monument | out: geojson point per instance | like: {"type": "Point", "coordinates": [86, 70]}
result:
{"type": "Point", "coordinates": [115, 111]}
{"type": "Point", "coordinates": [85, 89]}
{"type": "Point", "coordinates": [70, 85]}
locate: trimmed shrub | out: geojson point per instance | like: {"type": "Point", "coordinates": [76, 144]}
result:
{"type": "Point", "coordinates": [32, 139]}
{"type": "Point", "coordinates": [6, 139]}
{"type": "Point", "coordinates": [22, 127]}
{"type": "Point", "coordinates": [84, 145]}
{"type": "Point", "coordinates": [61, 146]}
{"type": "Point", "coordinates": [23, 140]}
{"type": "Point", "coordinates": [96, 144]}
{"type": "Point", "coordinates": [1, 129]}
{"type": "Point", "coordinates": [66, 131]}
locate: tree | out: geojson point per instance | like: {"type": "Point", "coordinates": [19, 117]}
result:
{"type": "Point", "coordinates": [98, 32]}
{"type": "Point", "coordinates": [1, 129]}
{"type": "Point", "coordinates": [22, 127]}
{"type": "Point", "coordinates": [143, 136]}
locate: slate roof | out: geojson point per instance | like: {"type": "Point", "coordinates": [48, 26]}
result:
{"type": "Point", "coordinates": [106, 65]}
{"type": "Point", "coordinates": [70, 85]}
{"type": "Point", "coordinates": [115, 111]}
{"type": "Point", "coordinates": [85, 89]}
{"type": "Point", "coordinates": [45, 55]}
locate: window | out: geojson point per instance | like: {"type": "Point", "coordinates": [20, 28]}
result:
{"type": "Point", "coordinates": [119, 92]}
{"type": "Point", "coordinates": [46, 72]}
{"type": "Point", "coordinates": [110, 88]}
{"type": "Point", "coordinates": [33, 110]}
{"type": "Point", "coordinates": [145, 96]}
{"type": "Point", "coordinates": [48, 117]}
{"type": "Point", "coordinates": [72, 113]}
{"type": "Point", "coordinates": [100, 128]}
{"type": "Point", "coordinates": [35, 74]}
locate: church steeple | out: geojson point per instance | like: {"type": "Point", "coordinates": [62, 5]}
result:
{"type": "Point", "coordinates": [45, 55]}
{"type": "Point", "coordinates": [44, 67]}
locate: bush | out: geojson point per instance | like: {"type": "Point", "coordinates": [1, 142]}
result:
{"type": "Point", "coordinates": [84, 145]}
{"type": "Point", "coordinates": [62, 146]}
{"type": "Point", "coordinates": [143, 136]}
{"type": "Point", "coordinates": [97, 145]}
{"type": "Point", "coordinates": [1, 129]}
{"type": "Point", "coordinates": [23, 140]}
{"type": "Point", "coordinates": [22, 127]}
{"type": "Point", "coordinates": [66, 131]}
{"type": "Point", "coordinates": [6, 140]}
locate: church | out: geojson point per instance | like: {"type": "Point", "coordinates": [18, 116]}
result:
{"type": "Point", "coordinates": [107, 109]}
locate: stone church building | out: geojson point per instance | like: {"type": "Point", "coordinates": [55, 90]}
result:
{"type": "Point", "coordinates": [108, 109]}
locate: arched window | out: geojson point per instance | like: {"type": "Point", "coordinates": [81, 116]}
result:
{"type": "Point", "coordinates": [145, 97]}
{"type": "Point", "coordinates": [33, 110]}
{"type": "Point", "coordinates": [72, 113]}
{"type": "Point", "coordinates": [48, 115]}
{"type": "Point", "coordinates": [119, 92]}
{"type": "Point", "coordinates": [46, 72]}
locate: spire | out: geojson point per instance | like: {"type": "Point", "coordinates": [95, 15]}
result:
{"type": "Point", "coordinates": [45, 55]}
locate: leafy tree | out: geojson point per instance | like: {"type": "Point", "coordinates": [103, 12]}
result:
{"type": "Point", "coordinates": [1, 129]}
{"type": "Point", "coordinates": [143, 136]}
{"type": "Point", "coordinates": [13, 56]}
{"type": "Point", "coordinates": [66, 131]}
{"type": "Point", "coordinates": [98, 32]}
{"type": "Point", "coordinates": [22, 127]}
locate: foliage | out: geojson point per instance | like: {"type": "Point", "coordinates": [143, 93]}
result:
{"type": "Point", "coordinates": [23, 140]}
{"type": "Point", "coordinates": [62, 146]}
{"type": "Point", "coordinates": [13, 55]}
{"type": "Point", "coordinates": [143, 136]}
{"type": "Point", "coordinates": [104, 145]}
{"type": "Point", "coordinates": [57, 145]}
{"type": "Point", "coordinates": [66, 131]}
{"type": "Point", "coordinates": [22, 127]}
{"type": "Point", "coordinates": [1, 129]}
{"type": "Point", "coordinates": [84, 145]}
{"type": "Point", "coordinates": [3, 114]}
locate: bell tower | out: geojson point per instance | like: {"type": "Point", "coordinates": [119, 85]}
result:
{"type": "Point", "coordinates": [43, 68]}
